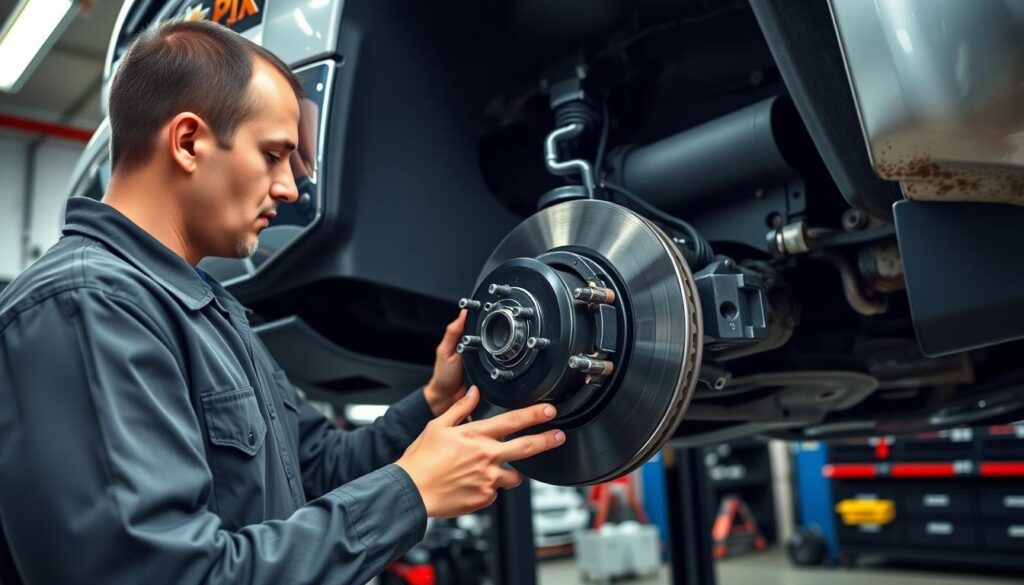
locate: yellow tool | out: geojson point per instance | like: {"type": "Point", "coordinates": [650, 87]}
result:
{"type": "Point", "coordinates": [858, 512]}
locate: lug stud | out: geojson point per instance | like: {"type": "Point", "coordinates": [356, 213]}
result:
{"type": "Point", "coordinates": [469, 304]}
{"type": "Point", "coordinates": [594, 294]}
{"type": "Point", "coordinates": [524, 312]}
{"type": "Point", "coordinates": [591, 366]}
{"type": "Point", "coordinates": [502, 290]}
{"type": "Point", "coordinates": [503, 375]}
{"type": "Point", "coordinates": [537, 343]}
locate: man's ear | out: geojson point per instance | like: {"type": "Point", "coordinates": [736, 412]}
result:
{"type": "Point", "coordinates": [187, 136]}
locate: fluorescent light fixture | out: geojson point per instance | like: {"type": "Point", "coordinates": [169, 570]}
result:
{"type": "Point", "coordinates": [364, 414]}
{"type": "Point", "coordinates": [28, 34]}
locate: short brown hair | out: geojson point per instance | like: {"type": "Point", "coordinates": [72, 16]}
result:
{"type": "Point", "coordinates": [183, 66]}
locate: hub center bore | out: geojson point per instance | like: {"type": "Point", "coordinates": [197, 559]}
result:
{"type": "Point", "coordinates": [503, 335]}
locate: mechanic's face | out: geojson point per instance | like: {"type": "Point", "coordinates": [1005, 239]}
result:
{"type": "Point", "coordinates": [244, 184]}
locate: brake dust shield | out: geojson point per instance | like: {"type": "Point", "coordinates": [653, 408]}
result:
{"type": "Point", "coordinates": [590, 307]}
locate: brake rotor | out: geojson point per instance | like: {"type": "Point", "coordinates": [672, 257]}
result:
{"type": "Point", "coordinates": [590, 307]}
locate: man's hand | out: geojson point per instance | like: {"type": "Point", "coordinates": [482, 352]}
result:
{"type": "Point", "coordinates": [458, 468]}
{"type": "Point", "coordinates": [446, 385]}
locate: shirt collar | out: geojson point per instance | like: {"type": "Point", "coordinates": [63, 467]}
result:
{"type": "Point", "coordinates": [99, 221]}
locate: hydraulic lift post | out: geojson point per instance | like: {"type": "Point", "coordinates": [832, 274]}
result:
{"type": "Point", "coordinates": [690, 517]}
{"type": "Point", "coordinates": [513, 561]}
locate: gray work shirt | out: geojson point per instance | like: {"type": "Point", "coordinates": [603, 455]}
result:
{"type": "Point", "coordinates": [147, 436]}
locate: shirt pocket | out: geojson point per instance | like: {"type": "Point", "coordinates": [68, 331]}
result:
{"type": "Point", "coordinates": [233, 419]}
{"type": "Point", "coordinates": [236, 431]}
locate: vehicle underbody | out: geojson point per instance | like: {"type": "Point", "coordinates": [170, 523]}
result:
{"type": "Point", "coordinates": [661, 216]}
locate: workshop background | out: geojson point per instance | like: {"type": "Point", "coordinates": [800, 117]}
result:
{"type": "Point", "coordinates": [894, 509]}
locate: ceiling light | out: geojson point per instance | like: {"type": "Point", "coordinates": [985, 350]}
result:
{"type": "Point", "coordinates": [28, 34]}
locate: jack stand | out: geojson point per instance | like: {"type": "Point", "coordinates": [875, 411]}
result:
{"type": "Point", "coordinates": [736, 529]}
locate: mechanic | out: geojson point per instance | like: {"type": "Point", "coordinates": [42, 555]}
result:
{"type": "Point", "coordinates": [146, 435]}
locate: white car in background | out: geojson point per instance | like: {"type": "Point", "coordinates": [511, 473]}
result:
{"type": "Point", "coordinates": [559, 514]}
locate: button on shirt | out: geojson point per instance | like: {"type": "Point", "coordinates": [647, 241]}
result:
{"type": "Point", "coordinates": [147, 435]}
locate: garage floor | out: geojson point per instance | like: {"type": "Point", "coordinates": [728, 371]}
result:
{"type": "Point", "coordinates": [772, 568]}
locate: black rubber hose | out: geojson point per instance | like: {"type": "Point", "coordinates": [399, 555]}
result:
{"type": "Point", "coordinates": [602, 143]}
{"type": "Point", "coordinates": [696, 249]}
{"type": "Point", "coordinates": [822, 238]}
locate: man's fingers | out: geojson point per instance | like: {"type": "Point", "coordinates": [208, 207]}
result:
{"type": "Point", "coordinates": [462, 408]}
{"type": "Point", "coordinates": [452, 334]}
{"type": "Point", "coordinates": [508, 478]}
{"type": "Point", "coordinates": [460, 393]}
{"type": "Point", "coordinates": [514, 421]}
{"type": "Point", "coordinates": [530, 445]}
